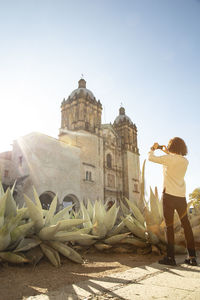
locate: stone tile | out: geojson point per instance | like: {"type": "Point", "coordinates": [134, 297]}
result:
{"type": "Point", "coordinates": [134, 273]}
{"type": "Point", "coordinates": [193, 296]}
{"type": "Point", "coordinates": [150, 292]}
{"type": "Point", "coordinates": [172, 279]}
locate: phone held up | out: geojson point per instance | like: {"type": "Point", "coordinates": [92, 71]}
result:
{"type": "Point", "coordinates": [160, 147]}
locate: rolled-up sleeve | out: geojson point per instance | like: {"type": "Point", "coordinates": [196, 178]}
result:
{"type": "Point", "coordinates": [163, 159]}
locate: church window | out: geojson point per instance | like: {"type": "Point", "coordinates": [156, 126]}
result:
{"type": "Point", "coordinates": [109, 160]}
{"type": "Point", "coordinates": [111, 180]}
{"type": "Point", "coordinates": [88, 176]}
{"type": "Point", "coordinates": [136, 187]}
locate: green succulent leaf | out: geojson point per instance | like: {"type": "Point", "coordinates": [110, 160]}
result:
{"type": "Point", "coordinates": [13, 258]}
{"type": "Point", "coordinates": [11, 207]}
{"type": "Point", "coordinates": [51, 211]}
{"type": "Point", "coordinates": [27, 244]}
{"type": "Point", "coordinates": [20, 231]}
{"type": "Point", "coordinates": [37, 199]}
{"type": "Point", "coordinates": [35, 214]}
{"type": "Point", "coordinates": [136, 212]}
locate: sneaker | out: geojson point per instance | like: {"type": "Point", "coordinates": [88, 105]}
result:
{"type": "Point", "coordinates": [191, 261]}
{"type": "Point", "coordinates": [167, 261]}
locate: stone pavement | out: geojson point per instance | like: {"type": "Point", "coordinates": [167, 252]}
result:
{"type": "Point", "coordinates": [147, 282]}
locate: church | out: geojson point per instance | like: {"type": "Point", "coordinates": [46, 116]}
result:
{"type": "Point", "coordinates": [89, 160]}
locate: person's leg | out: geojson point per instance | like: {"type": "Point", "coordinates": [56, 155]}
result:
{"type": "Point", "coordinates": [168, 212]}
{"type": "Point", "coordinates": [181, 207]}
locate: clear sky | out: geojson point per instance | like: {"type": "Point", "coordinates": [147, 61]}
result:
{"type": "Point", "coordinates": [143, 53]}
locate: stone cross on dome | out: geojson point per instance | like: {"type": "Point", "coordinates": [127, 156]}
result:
{"type": "Point", "coordinates": [122, 109]}
{"type": "Point", "coordinates": [82, 82]}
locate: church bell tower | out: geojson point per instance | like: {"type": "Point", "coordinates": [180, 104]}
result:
{"type": "Point", "coordinates": [81, 110]}
{"type": "Point", "coordinates": [129, 153]}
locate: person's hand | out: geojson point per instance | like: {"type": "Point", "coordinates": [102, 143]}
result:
{"type": "Point", "coordinates": [164, 149]}
{"type": "Point", "coordinates": [155, 146]}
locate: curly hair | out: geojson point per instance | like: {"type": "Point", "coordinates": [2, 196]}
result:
{"type": "Point", "coordinates": [178, 146]}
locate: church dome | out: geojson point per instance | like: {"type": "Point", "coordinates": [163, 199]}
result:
{"type": "Point", "coordinates": [82, 91]}
{"type": "Point", "coordinates": [122, 117]}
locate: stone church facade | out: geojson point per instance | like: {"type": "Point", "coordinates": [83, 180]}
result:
{"type": "Point", "coordinates": [89, 160]}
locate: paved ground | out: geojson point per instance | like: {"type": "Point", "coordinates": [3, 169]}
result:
{"type": "Point", "coordinates": [147, 282]}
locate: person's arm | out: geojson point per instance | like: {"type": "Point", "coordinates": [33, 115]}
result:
{"type": "Point", "coordinates": [163, 160]}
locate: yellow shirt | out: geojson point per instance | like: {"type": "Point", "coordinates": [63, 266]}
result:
{"type": "Point", "coordinates": [174, 169]}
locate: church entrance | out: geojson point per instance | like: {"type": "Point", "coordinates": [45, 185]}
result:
{"type": "Point", "coordinates": [46, 199]}
{"type": "Point", "coordinates": [71, 200]}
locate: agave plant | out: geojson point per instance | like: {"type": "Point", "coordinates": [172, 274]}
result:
{"type": "Point", "coordinates": [101, 224]}
{"type": "Point", "coordinates": [13, 226]}
{"type": "Point", "coordinates": [146, 220]}
{"type": "Point", "coordinates": [51, 231]}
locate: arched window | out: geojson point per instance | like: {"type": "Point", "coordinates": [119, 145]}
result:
{"type": "Point", "coordinates": [109, 160]}
{"type": "Point", "coordinates": [46, 198]}
{"type": "Point", "coordinates": [71, 200]}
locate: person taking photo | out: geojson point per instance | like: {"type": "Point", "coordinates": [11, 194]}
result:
{"type": "Point", "coordinates": [174, 189]}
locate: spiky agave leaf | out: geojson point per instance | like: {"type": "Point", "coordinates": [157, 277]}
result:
{"type": "Point", "coordinates": [66, 251]}
{"type": "Point", "coordinates": [10, 223]}
{"type": "Point", "coordinates": [116, 238]}
{"type": "Point", "coordinates": [135, 227]}
{"type": "Point", "coordinates": [64, 236]}
{"type": "Point", "coordinates": [102, 246]}
{"type": "Point", "coordinates": [51, 254]}
{"type": "Point", "coordinates": [61, 215]}
{"type": "Point", "coordinates": [11, 207]}
{"type": "Point", "coordinates": [86, 216]}
{"type": "Point", "coordinates": [1, 189]}
{"type": "Point", "coordinates": [99, 212]}
{"type": "Point", "coordinates": [5, 238]}
{"type": "Point", "coordinates": [110, 217]}
{"type": "Point", "coordinates": [27, 244]}
{"type": "Point", "coordinates": [13, 187]}
{"type": "Point", "coordinates": [35, 213]}
{"type": "Point", "coordinates": [134, 241]}
{"type": "Point", "coordinates": [51, 211]}
{"type": "Point", "coordinates": [24, 211]}
{"type": "Point", "coordinates": [155, 209]}
{"type": "Point", "coordinates": [90, 209]}
{"type": "Point", "coordinates": [136, 212]}
{"type": "Point", "coordinates": [153, 238]}
{"type": "Point", "coordinates": [116, 229]}
{"type": "Point", "coordinates": [99, 229]}
{"type": "Point", "coordinates": [14, 221]}
{"type": "Point", "coordinates": [142, 203]}
{"type": "Point", "coordinates": [67, 224]}
{"type": "Point", "coordinates": [2, 208]}
{"type": "Point", "coordinates": [37, 199]}
{"type": "Point", "coordinates": [125, 210]}
{"type": "Point", "coordinates": [13, 258]}
{"type": "Point", "coordinates": [20, 231]}
{"type": "Point", "coordinates": [48, 232]}
{"type": "Point", "coordinates": [82, 230]}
